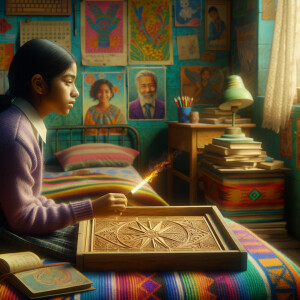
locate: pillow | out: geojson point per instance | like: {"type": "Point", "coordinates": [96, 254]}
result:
{"type": "Point", "coordinates": [95, 155]}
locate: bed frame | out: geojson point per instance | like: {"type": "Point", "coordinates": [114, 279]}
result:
{"type": "Point", "coordinates": [66, 136]}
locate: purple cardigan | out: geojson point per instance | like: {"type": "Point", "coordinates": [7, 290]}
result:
{"type": "Point", "coordinates": [136, 112]}
{"type": "Point", "coordinates": [21, 202]}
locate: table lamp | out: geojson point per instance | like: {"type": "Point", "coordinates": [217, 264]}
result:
{"type": "Point", "coordinates": [234, 98]}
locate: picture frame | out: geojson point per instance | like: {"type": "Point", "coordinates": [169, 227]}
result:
{"type": "Point", "coordinates": [133, 94]}
{"type": "Point", "coordinates": [188, 13]}
{"type": "Point", "coordinates": [116, 114]}
{"type": "Point", "coordinates": [205, 84]}
{"type": "Point", "coordinates": [217, 25]}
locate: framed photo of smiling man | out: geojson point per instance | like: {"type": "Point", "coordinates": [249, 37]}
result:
{"type": "Point", "coordinates": [147, 93]}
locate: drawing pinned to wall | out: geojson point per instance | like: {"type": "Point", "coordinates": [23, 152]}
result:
{"type": "Point", "coordinates": [150, 32]}
{"type": "Point", "coordinates": [188, 13]}
{"type": "Point", "coordinates": [6, 54]}
{"type": "Point", "coordinates": [104, 99]}
{"type": "Point", "coordinates": [103, 33]}
{"type": "Point", "coordinates": [268, 9]}
{"type": "Point", "coordinates": [204, 84]}
{"type": "Point", "coordinates": [217, 25]}
{"type": "Point", "coordinates": [188, 47]}
{"type": "Point", "coordinates": [147, 93]}
{"type": "Point", "coordinates": [4, 25]}
{"type": "Point", "coordinates": [246, 49]}
{"type": "Point", "coordinates": [286, 140]}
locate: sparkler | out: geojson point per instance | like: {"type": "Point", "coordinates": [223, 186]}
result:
{"type": "Point", "coordinates": [158, 168]}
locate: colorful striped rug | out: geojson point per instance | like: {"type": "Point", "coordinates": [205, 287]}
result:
{"type": "Point", "coordinates": [269, 275]}
{"type": "Point", "coordinates": [94, 182]}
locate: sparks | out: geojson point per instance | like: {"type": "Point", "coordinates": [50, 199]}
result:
{"type": "Point", "coordinates": [159, 167]}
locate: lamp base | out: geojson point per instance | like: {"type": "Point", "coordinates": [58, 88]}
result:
{"type": "Point", "coordinates": [233, 132]}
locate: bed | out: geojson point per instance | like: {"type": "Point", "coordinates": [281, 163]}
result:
{"type": "Point", "coordinates": [269, 274]}
{"type": "Point", "coordinates": [80, 165]}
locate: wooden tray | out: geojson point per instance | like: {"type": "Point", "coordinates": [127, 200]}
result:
{"type": "Point", "coordinates": [155, 238]}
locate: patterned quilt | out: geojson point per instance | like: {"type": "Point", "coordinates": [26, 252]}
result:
{"type": "Point", "coordinates": [94, 182]}
{"type": "Point", "coordinates": [269, 275]}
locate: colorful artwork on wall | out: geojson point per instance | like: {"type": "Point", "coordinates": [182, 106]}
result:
{"type": "Point", "coordinates": [188, 13]}
{"type": "Point", "coordinates": [188, 47]}
{"type": "Point", "coordinates": [268, 9]}
{"type": "Point", "coordinates": [103, 33]}
{"type": "Point", "coordinates": [150, 32]}
{"type": "Point", "coordinates": [104, 99]}
{"type": "Point", "coordinates": [247, 53]}
{"type": "Point", "coordinates": [217, 25]}
{"type": "Point", "coordinates": [286, 140]}
{"type": "Point", "coordinates": [6, 55]}
{"type": "Point", "coordinates": [204, 84]}
{"type": "Point", "coordinates": [147, 93]}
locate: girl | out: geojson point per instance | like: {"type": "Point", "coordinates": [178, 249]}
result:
{"type": "Point", "coordinates": [41, 81]}
{"type": "Point", "coordinates": [104, 112]}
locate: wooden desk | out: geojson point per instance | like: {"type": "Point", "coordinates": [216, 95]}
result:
{"type": "Point", "coordinates": [191, 138]}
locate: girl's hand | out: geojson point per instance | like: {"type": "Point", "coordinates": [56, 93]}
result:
{"type": "Point", "coordinates": [111, 204]}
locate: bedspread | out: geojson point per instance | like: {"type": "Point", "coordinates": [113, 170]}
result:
{"type": "Point", "coordinates": [94, 182]}
{"type": "Point", "coordinates": [269, 275]}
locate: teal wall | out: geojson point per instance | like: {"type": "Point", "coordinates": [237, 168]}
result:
{"type": "Point", "coordinates": [154, 135]}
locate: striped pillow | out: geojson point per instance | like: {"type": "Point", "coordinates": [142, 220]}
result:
{"type": "Point", "coordinates": [95, 155]}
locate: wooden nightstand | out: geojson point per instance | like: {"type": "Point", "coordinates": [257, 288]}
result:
{"type": "Point", "coordinates": [191, 138]}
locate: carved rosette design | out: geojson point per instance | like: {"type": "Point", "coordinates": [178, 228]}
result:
{"type": "Point", "coordinates": [167, 233]}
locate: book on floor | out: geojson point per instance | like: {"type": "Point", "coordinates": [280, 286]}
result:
{"type": "Point", "coordinates": [27, 273]}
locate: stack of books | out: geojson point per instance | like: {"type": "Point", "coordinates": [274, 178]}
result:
{"type": "Point", "coordinates": [233, 153]}
{"type": "Point", "coordinates": [213, 115]}
{"type": "Point", "coordinates": [238, 154]}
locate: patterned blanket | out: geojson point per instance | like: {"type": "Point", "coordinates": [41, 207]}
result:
{"type": "Point", "coordinates": [94, 182]}
{"type": "Point", "coordinates": [269, 275]}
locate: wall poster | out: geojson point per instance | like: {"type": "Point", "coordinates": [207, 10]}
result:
{"type": "Point", "coordinates": [146, 93]}
{"type": "Point", "coordinates": [188, 13]}
{"type": "Point", "coordinates": [217, 25]}
{"type": "Point", "coordinates": [247, 53]}
{"type": "Point", "coordinates": [104, 33]}
{"type": "Point", "coordinates": [104, 100]}
{"type": "Point", "coordinates": [204, 84]}
{"type": "Point", "coordinates": [150, 32]}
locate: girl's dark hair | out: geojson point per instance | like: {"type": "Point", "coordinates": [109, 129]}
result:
{"type": "Point", "coordinates": [37, 56]}
{"type": "Point", "coordinates": [96, 85]}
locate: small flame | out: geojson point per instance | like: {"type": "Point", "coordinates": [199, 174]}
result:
{"type": "Point", "coordinates": [153, 174]}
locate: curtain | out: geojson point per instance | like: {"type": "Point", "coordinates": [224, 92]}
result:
{"type": "Point", "coordinates": [281, 83]}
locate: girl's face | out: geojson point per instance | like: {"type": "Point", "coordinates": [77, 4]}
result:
{"type": "Point", "coordinates": [104, 93]}
{"type": "Point", "coordinates": [60, 96]}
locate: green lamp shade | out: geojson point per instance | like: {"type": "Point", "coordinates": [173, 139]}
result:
{"type": "Point", "coordinates": [235, 94]}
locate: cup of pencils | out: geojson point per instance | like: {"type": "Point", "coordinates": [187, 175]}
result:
{"type": "Point", "coordinates": [184, 107]}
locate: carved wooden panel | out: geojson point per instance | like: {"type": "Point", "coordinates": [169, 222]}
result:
{"type": "Point", "coordinates": [160, 238]}
{"type": "Point", "coordinates": [154, 233]}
